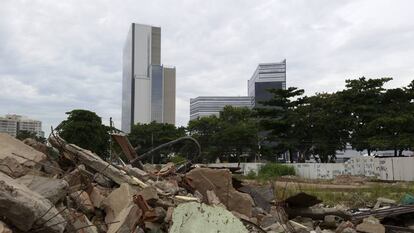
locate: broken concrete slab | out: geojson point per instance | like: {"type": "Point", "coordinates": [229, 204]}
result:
{"type": "Point", "coordinates": [12, 167]}
{"type": "Point", "coordinates": [203, 179]}
{"type": "Point", "coordinates": [267, 221]}
{"type": "Point", "coordinates": [83, 201]}
{"type": "Point", "coordinates": [36, 145]}
{"type": "Point", "coordinates": [24, 154]}
{"type": "Point", "coordinates": [168, 186]}
{"type": "Point", "coordinates": [370, 225]}
{"type": "Point", "coordinates": [4, 228]}
{"type": "Point", "coordinates": [102, 180]}
{"type": "Point", "coordinates": [196, 217]}
{"type": "Point", "coordinates": [260, 195]}
{"type": "Point", "coordinates": [140, 174]}
{"type": "Point", "coordinates": [26, 209]}
{"type": "Point", "coordinates": [381, 201]}
{"type": "Point", "coordinates": [117, 201]}
{"type": "Point", "coordinates": [126, 221]}
{"type": "Point", "coordinates": [52, 189]}
{"type": "Point", "coordinates": [81, 223]}
{"type": "Point", "coordinates": [96, 196]}
{"type": "Point", "coordinates": [149, 194]}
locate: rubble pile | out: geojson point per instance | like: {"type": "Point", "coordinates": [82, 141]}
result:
{"type": "Point", "coordinates": [65, 188]}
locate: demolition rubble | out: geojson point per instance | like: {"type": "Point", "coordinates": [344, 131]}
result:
{"type": "Point", "coordinates": [65, 188]}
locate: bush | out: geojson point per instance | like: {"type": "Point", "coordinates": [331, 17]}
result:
{"type": "Point", "coordinates": [274, 170]}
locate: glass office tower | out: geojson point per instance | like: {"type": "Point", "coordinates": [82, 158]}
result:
{"type": "Point", "coordinates": [144, 79]}
{"type": "Point", "coordinates": [266, 76]}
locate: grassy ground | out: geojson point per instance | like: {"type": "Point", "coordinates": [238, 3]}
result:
{"type": "Point", "coordinates": [354, 196]}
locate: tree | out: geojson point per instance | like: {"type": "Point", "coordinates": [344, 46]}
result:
{"type": "Point", "coordinates": [394, 127]}
{"type": "Point", "coordinates": [148, 136]}
{"type": "Point", "coordinates": [85, 129]}
{"type": "Point", "coordinates": [23, 134]}
{"type": "Point", "coordinates": [228, 136]}
{"type": "Point", "coordinates": [363, 98]}
{"type": "Point", "coordinates": [205, 130]}
{"type": "Point", "coordinates": [237, 133]}
{"type": "Point", "coordinates": [327, 128]}
{"type": "Point", "coordinates": [279, 119]}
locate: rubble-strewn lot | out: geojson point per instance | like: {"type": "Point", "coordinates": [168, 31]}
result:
{"type": "Point", "coordinates": [70, 189]}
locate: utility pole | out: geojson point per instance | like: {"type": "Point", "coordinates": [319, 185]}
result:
{"type": "Point", "coordinates": [110, 138]}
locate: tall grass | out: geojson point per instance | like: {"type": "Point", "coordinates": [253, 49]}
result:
{"type": "Point", "coordinates": [271, 171]}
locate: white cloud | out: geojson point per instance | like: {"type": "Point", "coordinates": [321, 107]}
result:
{"type": "Point", "coordinates": [59, 55]}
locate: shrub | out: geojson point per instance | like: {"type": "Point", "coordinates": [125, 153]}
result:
{"type": "Point", "coordinates": [274, 170]}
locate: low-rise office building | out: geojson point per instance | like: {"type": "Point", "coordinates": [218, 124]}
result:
{"type": "Point", "coordinates": [212, 105]}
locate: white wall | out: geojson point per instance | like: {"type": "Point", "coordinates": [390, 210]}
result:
{"type": "Point", "coordinates": [397, 169]}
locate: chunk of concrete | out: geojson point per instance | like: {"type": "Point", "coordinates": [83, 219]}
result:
{"type": "Point", "coordinates": [195, 217]}
{"type": "Point", "coordinates": [12, 167]}
{"type": "Point", "coordinates": [219, 180]}
{"type": "Point", "coordinates": [36, 145]}
{"type": "Point", "coordinates": [267, 221]}
{"type": "Point", "coordinates": [24, 154]}
{"type": "Point", "coordinates": [82, 224]}
{"type": "Point", "coordinates": [126, 221]}
{"type": "Point", "coordinates": [96, 197]}
{"type": "Point", "coordinates": [52, 189]}
{"type": "Point", "coordinates": [26, 209]}
{"type": "Point", "coordinates": [117, 201]}
{"type": "Point", "coordinates": [149, 194]}
{"type": "Point", "coordinates": [83, 201]}
{"type": "Point", "coordinates": [370, 225]}
{"type": "Point", "coordinates": [4, 228]}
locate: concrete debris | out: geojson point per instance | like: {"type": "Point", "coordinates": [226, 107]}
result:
{"type": "Point", "coordinates": [203, 179]}
{"type": "Point", "coordinates": [4, 228]}
{"type": "Point", "coordinates": [66, 188]}
{"type": "Point", "coordinates": [370, 225]}
{"type": "Point", "coordinates": [83, 201]}
{"type": "Point", "coordinates": [117, 201]}
{"type": "Point", "coordinates": [11, 167]}
{"type": "Point", "coordinates": [36, 145]}
{"type": "Point", "coordinates": [52, 189]}
{"type": "Point", "coordinates": [26, 209]}
{"type": "Point", "coordinates": [384, 201]}
{"type": "Point", "coordinates": [196, 217]}
{"type": "Point", "coordinates": [81, 223]}
{"type": "Point", "coordinates": [24, 154]}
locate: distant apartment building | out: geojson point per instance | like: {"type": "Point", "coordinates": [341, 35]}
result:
{"type": "Point", "coordinates": [212, 105]}
{"type": "Point", "coordinates": [12, 124]}
{"type": "Point", "coordinates": [266, 76]}
{"type": "Point", "coordinates": [148, 87]}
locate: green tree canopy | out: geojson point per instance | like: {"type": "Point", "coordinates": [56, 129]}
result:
{"type": "Point", "coordinates": [23, 134]}
{"type": "Point", "coordinates": [85, 129]}
{"type": "Point", "coordinates": [147, 136]}
{"type": "Point", "coordinates": [228, 136]}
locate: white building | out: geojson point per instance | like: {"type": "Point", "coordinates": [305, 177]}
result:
{"type": "Point", "coordinates": [212, 105]}
{"type": "Point", "coordinates": [148, 88]}
{"type": "Point", "coordinates": [12, 124]}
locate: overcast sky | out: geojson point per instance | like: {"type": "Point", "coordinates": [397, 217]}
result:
{"type": "Point", "coordinates": [56, 56]}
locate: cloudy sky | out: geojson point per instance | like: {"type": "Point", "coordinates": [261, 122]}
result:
{"type": "Point", "coordinates": [56, 56]}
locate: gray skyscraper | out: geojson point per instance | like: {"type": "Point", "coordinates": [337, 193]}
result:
{"type": "Point", "coordinates": [266, 76]}
{"type": "Point", "coordinates": [148, 88]}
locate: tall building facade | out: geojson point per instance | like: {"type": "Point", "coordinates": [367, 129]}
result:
{"type": "Point", "coordinates": [12, 124]}
{"type": "Point", "coordinates": [266, 76]}
{"type": "Point", "coordinates": [148, 88]}
{"type": "Point", "coordinates": [212, 105]}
